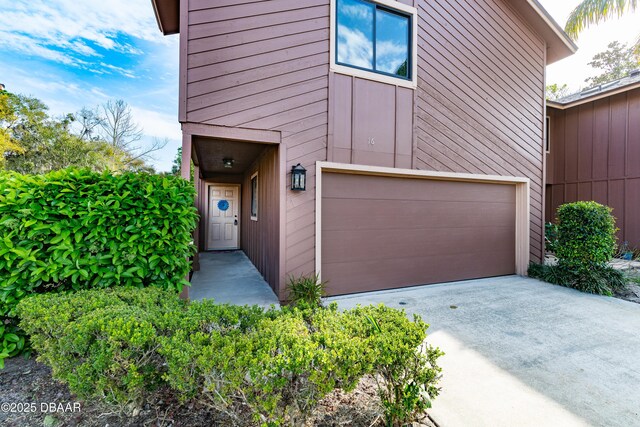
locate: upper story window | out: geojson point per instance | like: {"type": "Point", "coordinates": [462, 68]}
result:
{"type": "Point", "coordinates": [375, 38]}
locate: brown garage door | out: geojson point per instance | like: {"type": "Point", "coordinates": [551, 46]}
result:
{"type": "Point", "coordinates": [385, 232]}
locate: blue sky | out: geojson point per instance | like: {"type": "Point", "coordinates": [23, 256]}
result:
{"type": "Point", "coordinates": [76, 53]}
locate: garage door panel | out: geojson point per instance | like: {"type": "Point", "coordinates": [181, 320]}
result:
{"type": "Point", "coordinates": [347, 214]}
{"type": "Point", "coordinates": [362, 245]}
{"type": "Point", "coordinates": [381, 232]}
{"type": "Point", "coordinates": [397, 273]}
{"type": "Point", "coordinates": [360, 187]}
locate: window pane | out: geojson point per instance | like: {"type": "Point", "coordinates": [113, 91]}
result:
{"type": "Point", "coordinates": [254, 196]}
{"type": "Point", "coordinates": [355, 33]}
{"type": "Point", "coordinates": [392, 43]}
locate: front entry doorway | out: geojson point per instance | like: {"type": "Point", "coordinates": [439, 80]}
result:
{"type": "Point", "coordinates": [223, 224]}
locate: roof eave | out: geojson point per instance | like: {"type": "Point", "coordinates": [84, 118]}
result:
{"type": "Point", "coordinates": [559, 44]}
{"type": "Point", "coordinates": [167, 15]}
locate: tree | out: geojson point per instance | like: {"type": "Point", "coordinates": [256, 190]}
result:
{"type": "Point", "coordinates": [554, 91]}
{"type": "Point", "coordinates": [176, 167]}
{"type": "Point", "coordinates": [117, 127]}
{"type": "Point", "coordinates": [616, 62]}
{"type": "Point", "coordinates": [590, 12]}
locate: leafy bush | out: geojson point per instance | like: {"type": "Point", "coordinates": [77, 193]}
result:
{"type": "Point", "coordinates": [407, 374]}
{"type": "Point", "coordinates": [269, 368]}
{"type": "Point", "coordinates": [601, 280]}
{"type": "Point", "coordinates": [75, 229]}
{"type": "Point", "coordinates": [306, 291]}
{"type": "Point", "coordinates": [586, 235]}
{"type": "Point", "coordinates": [550, 236]}
{"type": "Point", "coordinates": [586, 242]}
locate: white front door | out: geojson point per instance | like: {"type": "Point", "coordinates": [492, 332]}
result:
{"type": "Point", "coordinates": [223, 217]}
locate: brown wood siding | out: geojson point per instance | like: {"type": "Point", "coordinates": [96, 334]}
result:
{"type": "Point", "coordinates": [595, 153]}
{"type": "Point", "coordinates": [265, 65]}
{"type": "Point", "coordinates": [478, 107]}
{"type": "Point", "coordinates": [381, 232]}
{"type": "Point", "coordinates": [479, 102]}
{"type": "Point", "coordinates": [260, 239]}
{"type": "Point", "coordinates": [371, 123]}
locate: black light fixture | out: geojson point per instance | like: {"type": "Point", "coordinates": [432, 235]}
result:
{"type": "Point", "coordinates": [227, 162]}
{"type": "Point", "coordinates": [298, 178]}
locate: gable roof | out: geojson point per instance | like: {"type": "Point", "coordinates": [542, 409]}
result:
{"type": "Point", "coordinates": [632, 81]}
{"type": "Point", "coordinates": [559, 45]}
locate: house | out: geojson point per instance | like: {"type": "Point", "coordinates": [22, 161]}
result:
{"type": "Point", "coordinates": [420, 125]}
{"type": "Point", "coordinates": [593, 152]}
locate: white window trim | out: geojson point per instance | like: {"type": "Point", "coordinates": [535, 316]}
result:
{"type": "Point", "coordinates": [254, 218]}
{"type": "Point", "coordinates": [370, 75]}
{"type": "Point", "coordinates": [547, 134]}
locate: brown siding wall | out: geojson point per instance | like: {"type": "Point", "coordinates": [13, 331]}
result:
{"type": "Point", "coordinates": [478, 107]}
{"type": "Point", "coordinates": [479, 104]}
{"type": "Point", "coordinates": [260, 239]}
{"type": "Point", "coordinates": [595, 155]}
{"type": "Point", "coordinates": [265, 65]}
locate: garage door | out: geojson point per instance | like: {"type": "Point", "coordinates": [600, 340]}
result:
{"type": "Point", "coordinates": [381, 232]}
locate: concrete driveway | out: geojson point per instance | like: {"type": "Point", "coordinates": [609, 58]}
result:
{"type": "Point", "coordinates": [520, 352]}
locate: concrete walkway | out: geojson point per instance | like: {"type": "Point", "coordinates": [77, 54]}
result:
{"type": "Point", "coordinates": [229, 277]}
{"type": "Point", "coordinates": [520, 352]}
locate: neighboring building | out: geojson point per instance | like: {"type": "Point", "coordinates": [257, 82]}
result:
{"type": "Point", "coordinates": [594, 152]}
{"type": "Point", "coordinates": [420, 125]}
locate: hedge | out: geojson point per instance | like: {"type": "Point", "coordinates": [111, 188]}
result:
{"type": "Point", "coordinates": [122, 345]}
{"type": "Point", "coordinates": [74, 229]}
{"type": "Point", "coordinates": [585, 242]}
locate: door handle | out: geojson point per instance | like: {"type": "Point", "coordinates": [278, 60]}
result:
{"type": "Point", "coordinates": [235, 221]}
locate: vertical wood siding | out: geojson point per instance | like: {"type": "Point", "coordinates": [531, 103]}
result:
{"type": "Point", "coordinates": [265, 65]}
{"type": "Point", "coordinates": [595, 155]}
{"type": "Point", "coordinates": [479, 102]}
{"type": "Point", "coordinates": [478, 107]}
{"type": "Point", "coordinates": [260, 239]}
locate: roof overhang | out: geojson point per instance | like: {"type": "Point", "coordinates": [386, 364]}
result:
{"type": "Point", "coordinates": [559, 44]}
{"type": "Point", "coordinates": [168, 15]}
{"type": "Point", "coordinates": [594, 97]}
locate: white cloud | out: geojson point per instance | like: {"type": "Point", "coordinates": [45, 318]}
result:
{"type": "Point", "coordinates": [65, 30]}
{"type": "Point", "coordinates": [354, 47]}
{"type": "Point", "coordinates": [357, 11]}
{"type": "Point", "coordinates": [390, 55]}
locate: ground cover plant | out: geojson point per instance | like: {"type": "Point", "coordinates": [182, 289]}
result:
{"type": "Point", "coordinates": [75, 229]}
{"type": "Point", "coordinates": [258, 367]}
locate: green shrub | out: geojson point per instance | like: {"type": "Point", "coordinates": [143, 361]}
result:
{"type": "Point", "coordinates": [601, 280]}
{"type": "Point", "coordinates": [550, 236]}
{"type": "Point", "coordinates": [586, 242]}
{"type": "Point", "coordinates": [75, 229]}
{"type": "Point", "coordinates": [586, 235]}
{"type": "Point", "coordinates": [269, 368]}
{"type": "Point", "coordinates": [306, 291]}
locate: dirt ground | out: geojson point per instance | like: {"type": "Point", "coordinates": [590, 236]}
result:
{"type": "Point", "coordinates": [27, 385]}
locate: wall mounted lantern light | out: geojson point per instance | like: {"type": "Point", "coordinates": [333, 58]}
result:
{"type": "Point", "coordinates": [298, 178]}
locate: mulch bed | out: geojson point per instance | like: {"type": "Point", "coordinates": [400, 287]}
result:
{"type": "Point", "coordinates": [27, 381]}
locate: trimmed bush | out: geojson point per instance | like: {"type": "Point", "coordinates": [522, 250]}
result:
{"type": "Point", "coordinates": [259, 367]}
{"type": "Point", "coordinates": [586, 235]}
{"type": "Point", "coordinates": [586, 242]}
{"type": "Point", "coordinates": [74, 229]}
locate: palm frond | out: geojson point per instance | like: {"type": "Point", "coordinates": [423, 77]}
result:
{"type": "Point", "coordinates": [590, 12]}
